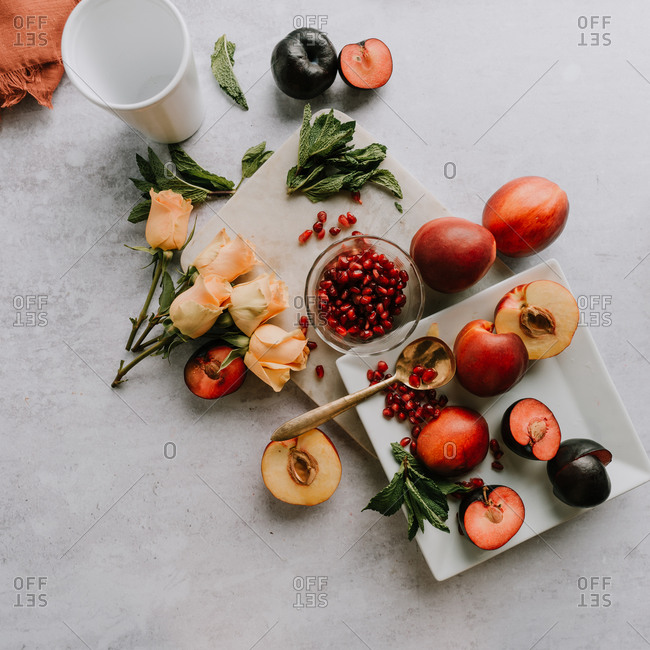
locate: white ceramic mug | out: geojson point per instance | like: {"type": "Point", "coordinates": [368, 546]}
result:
{"type": "Point", "coordinates": [133, 58]}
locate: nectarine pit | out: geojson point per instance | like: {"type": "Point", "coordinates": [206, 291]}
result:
{"type": "Point", "coordinates": [302, 466]}
{"type": "Point", "coordinates": [536, 321]}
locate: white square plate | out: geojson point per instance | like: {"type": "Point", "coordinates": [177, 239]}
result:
{"type": "Point", "coordinates": [575, 385]}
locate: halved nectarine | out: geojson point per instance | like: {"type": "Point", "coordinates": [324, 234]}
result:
{"type": "Point", "coordinates": [543, 313]}
{"type": "Point", "coordinates": [304, 471]}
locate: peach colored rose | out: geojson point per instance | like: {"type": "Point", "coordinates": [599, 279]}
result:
{"type": "Point", "coordinates": [252, 303]}
{"type": "Point", "coordinates": [273, 353]}
{"type": "Point", "coordinates": [225, 257]}
{"type": "Point", "coordinates": [194, 311]}
{"type": "Point", "coordinates": [168, 220]}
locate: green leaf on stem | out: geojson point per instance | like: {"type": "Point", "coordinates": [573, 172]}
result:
{"type": "Point", "coordinates": [254, 158]}
{"type": "Point", "coordinates": [222, 62]}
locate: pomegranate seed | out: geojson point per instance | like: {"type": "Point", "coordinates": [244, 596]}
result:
{"type": "Point", "coordinates": [477, 482]}
{"type": "Point", "coordinates": [322, 216]}
{"type": "Point", "coordinates": [497, 466]}
{"type": "Point", "coordinates": [494, 445]}
{"type": "Point", "coordinates": [416, 431]}
{"type": "Point", "coordinates": [418, 370]}
{"type": "Point", "coordinates": [320, 371]}
{"type": "Point", "coordinates": [340, 330]}
{"type": "Point", "coordinates": [429, 375]}
{"type": "Point", "coordinates": [414, 448]}
{"type": "Point", "coordinates": [497, 454]}
{"type": "Point", "coordinates": [401, 415]}
{"type": "Point", "coordinates": [414, 380]}
{"type": "Point", "coordinates": [305, 236]}
{"type": "Point", "coordinates": [388, 413]}
{"type": "Point", "coordinates": [334, 231]}
{"type": "Point", "coordinates": [356, 233]}
{"type": "Point", "coordinates": [320, 234]}
{"type": "Point", "coordinates": [343, 220]}
{"type": "Point", "coordinates": [395, 407]}
{"type": "Point", "coordinates": [351, 218]}
{"type": "Point", "coordinates": [442, 401]}
{"type": "Point", "coordinates": [404, 442]}
{"type": "Point", "coordinates": [370, 374]}
{"type": "Point", "coordinates": [312, 345]}
{"type": "Point", "coordinates": [356, 197]}
{"type": "Point", "coordinates": [318, 227]}
{"type": "Point", "coordinates": [382, 366]}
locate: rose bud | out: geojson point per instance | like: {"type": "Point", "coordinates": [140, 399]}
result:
{"type": "Point", "coordinates": [168, 219]}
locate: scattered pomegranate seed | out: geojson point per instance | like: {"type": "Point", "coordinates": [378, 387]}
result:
{"type": "Point", "coordinates": [351, 218]}
{"type": "Point", "coordinates": [414, 447]}
{"type": "Point", "coordinates": [343, 220]}
{"type": "Point", "coordinates": [320, 371]}
{"type": "Point", "coordinates": [382, 366]}
{"type": "Point", "coordinates": [305, 236]}
{"type": "Point", "coordinates": [416, 431]}
{"type": "Point", "coordinates": [334, 231]}
{"type": "Point", "coordinates": [312, 345]}
{"type": "Point", "coordinates": [404, 442]}
{"type": "Point", "coordinates": [356, 233]}
{"type": "Point", "coordinates": [414, 380]}
{"type": "Point", "coordinates": [356, 197]}
{"type": "Point", "coordinates": [418, 370]}
{"type": "Point", "coordinates": [388, 413]}
{"type": "Point", "coordinates": [320, 234]}
{"type": "Point", "coordinates": [370, 374]}
{"type": "Point", "coordinates": [494, 445]}
{"type": "Point", "coordinates": [477, 482]}
{"type": "Point", "coordinates": [322, 216]}
{"type": "Point", "coordinates": [318, 226]}
{"type": "Point", "coordinates": [497, 454]}
{"type": "Point", "coordinates": [497, 466]}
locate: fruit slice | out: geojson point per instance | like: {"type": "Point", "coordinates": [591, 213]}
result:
{"type": "Point", "coordinates": [491, 516]}
{"type": "Point", "coordinates": [305, 470]}
{"type": "Point", "coordinates": [530, 429]}
{"type": "Point", "coordinates": [578, 474]}
{"type": "Point", "coordinates": [205, 376]}
{"type": "Point", "coordinates": [367, 64]}
{"type": "Point", "coordinates": [543, 313]}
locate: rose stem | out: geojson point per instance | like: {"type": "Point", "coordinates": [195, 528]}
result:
{"type": "Point", "coordinates": [145, 308]}
{"type": "Point", "coordinates": [125, 368]}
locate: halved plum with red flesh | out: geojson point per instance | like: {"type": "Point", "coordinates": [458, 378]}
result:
{"type": "Point", "coordinates": [366, 65]}
{"type": "Point", "coordinates": [530, 429]}
{"type": "Point", "coordinates": [491, 516]}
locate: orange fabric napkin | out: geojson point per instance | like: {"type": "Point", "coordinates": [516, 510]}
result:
{"type": "Point", "coordinates": [30, 48]}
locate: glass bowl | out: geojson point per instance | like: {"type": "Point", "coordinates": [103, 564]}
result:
{"type": "Point", "coordinates": [372, 270]}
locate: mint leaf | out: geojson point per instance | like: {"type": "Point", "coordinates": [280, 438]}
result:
{"type": "Point", "coordinates": [384, 178]}
{"type": "Point", "coordinates": [143, 186]}
{"type": "Point", "coordinates": [189, 169]}
{"type": "Point", "coordinates": [140, 212]}
{"type": "Point", "coordinates": [145, 169]}
{"type": "Point", "coordinates": [254, 158]}
{"type": "Point", "coordinates": [399, 207]}
{"type": "Point", "coordinates": [389, 500]}
{"type": "Point", "coordinates": [303, 144]}
{"type": "Point", "coordinates": [222, 61]}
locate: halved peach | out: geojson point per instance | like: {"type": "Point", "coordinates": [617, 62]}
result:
{"type": "Point", "coordinates": [304, 471]}
{"type": "Point", "coordinates": [543, 313]}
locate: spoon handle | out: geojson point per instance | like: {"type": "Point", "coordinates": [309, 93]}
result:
{"type": "Point", "coordinates": [326, 412]}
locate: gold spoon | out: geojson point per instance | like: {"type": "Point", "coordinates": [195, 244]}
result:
{"type": "Point", "coordinates": [428, 352]}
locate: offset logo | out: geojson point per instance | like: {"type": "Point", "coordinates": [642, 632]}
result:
{"type": "Point", "coordinates": [594, 31]}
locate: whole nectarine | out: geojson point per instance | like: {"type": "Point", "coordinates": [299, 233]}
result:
{"type": "Point", "coordinates": [526, 215]}
{"type": "Point", "coordinates": [452, 253]}
{"type": "Point", "coordinates": [455, 442]}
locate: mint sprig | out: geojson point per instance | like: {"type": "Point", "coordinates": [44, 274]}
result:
{"type": "Point", "coordinates": [328, 163]}
{"type": "Point", "coordinates": [424, 498]}
{"type": "Point", "coordinates": [185, 176]}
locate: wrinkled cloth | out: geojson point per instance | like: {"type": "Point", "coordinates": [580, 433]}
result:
{"type": "Point", "coordinates": [30, 49]}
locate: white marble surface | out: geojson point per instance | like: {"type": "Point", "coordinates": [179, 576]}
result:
{"type": "Point", "coordinates": [139, 551]}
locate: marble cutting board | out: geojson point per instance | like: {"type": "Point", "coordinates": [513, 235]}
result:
{"type": "Point", "coordinates": [263, 213]}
